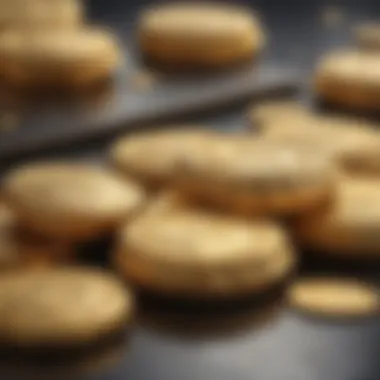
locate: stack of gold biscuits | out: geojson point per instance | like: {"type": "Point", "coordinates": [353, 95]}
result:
{"type": "Point", "coordinates": [230, 202]}
{"type": "Point", "coordinates": [45, 211]}
{"type": "Point", "coordinates": [195, 213]}
{"type": "Point", "coordinates": [48, 208]}
{"type": "Point", "coordinates": [214, 233]}
{"type": "Point", "coordinates": [49, 44]}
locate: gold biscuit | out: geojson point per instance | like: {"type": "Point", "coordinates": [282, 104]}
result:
{"type": "Point", "coordinates": [70, 201]}
{"type": "Point", "coordinates": [41, 14]}
{"type": "Point", "coordinates": [350, 79]}
{"type": "Point", "coordinates": [257, 177]}
{"type": "Point", "coordinates": [345, 141]}
{"type": "Point", "coordinates": [153, 157]}
{"type": "Point", "coordinates": [57, 58]}
{"type": "Point", "coordinates": [199, 35]}
{"type": "Point", "coordinates": [61, 307]}
{"type": "Point", "coordinates": [353, 143]}
{"type": "Point", "coordinates": [198, 254]}
{"type": "Point", "coordinates": [349, 227]}
{"type": "Point", "coordinates": [334, 297]}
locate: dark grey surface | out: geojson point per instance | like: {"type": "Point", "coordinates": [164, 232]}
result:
{"type": "Point", "coordinates": [47, 125]}
{"type": "Point", "coordinates": [290, 346]}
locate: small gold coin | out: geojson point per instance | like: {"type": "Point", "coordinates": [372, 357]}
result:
{"type": "Point", "coordinates": [334, 297]}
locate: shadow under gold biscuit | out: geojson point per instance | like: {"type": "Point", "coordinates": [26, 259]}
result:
{"type": "Point", "coordinates": [178, 70]}
{"type": "Point", "coordinates": [234, 321]}
{"type": "Point", "coordinates": [151, 301]}
{"type": "Point", "coordinates": [336, 109]}
{"type": "Point", "coordinates": [95, 92]}
{"type": "Point", "coordinates": [62, 310]}
{"type": "Point", "coordinates": [315, 261]}
{"type": "Point", "coordinates": [32, 365]}
{"type": "Point", "coordinates": [96, 252]}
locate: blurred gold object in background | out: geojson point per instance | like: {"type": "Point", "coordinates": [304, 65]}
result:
{"type": "Point", "coordinates": [367, 36]}
{"type": "Point", "coordinates": [41, 14]}
{"type": "Point", "coordinates": [350, 79]}
{"type": "Point", "coordinates": [196, 35]}
{"type": "Point", "coordinates": [71, 201]}
{"type": "Point", "coordinates": [58, 58]}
